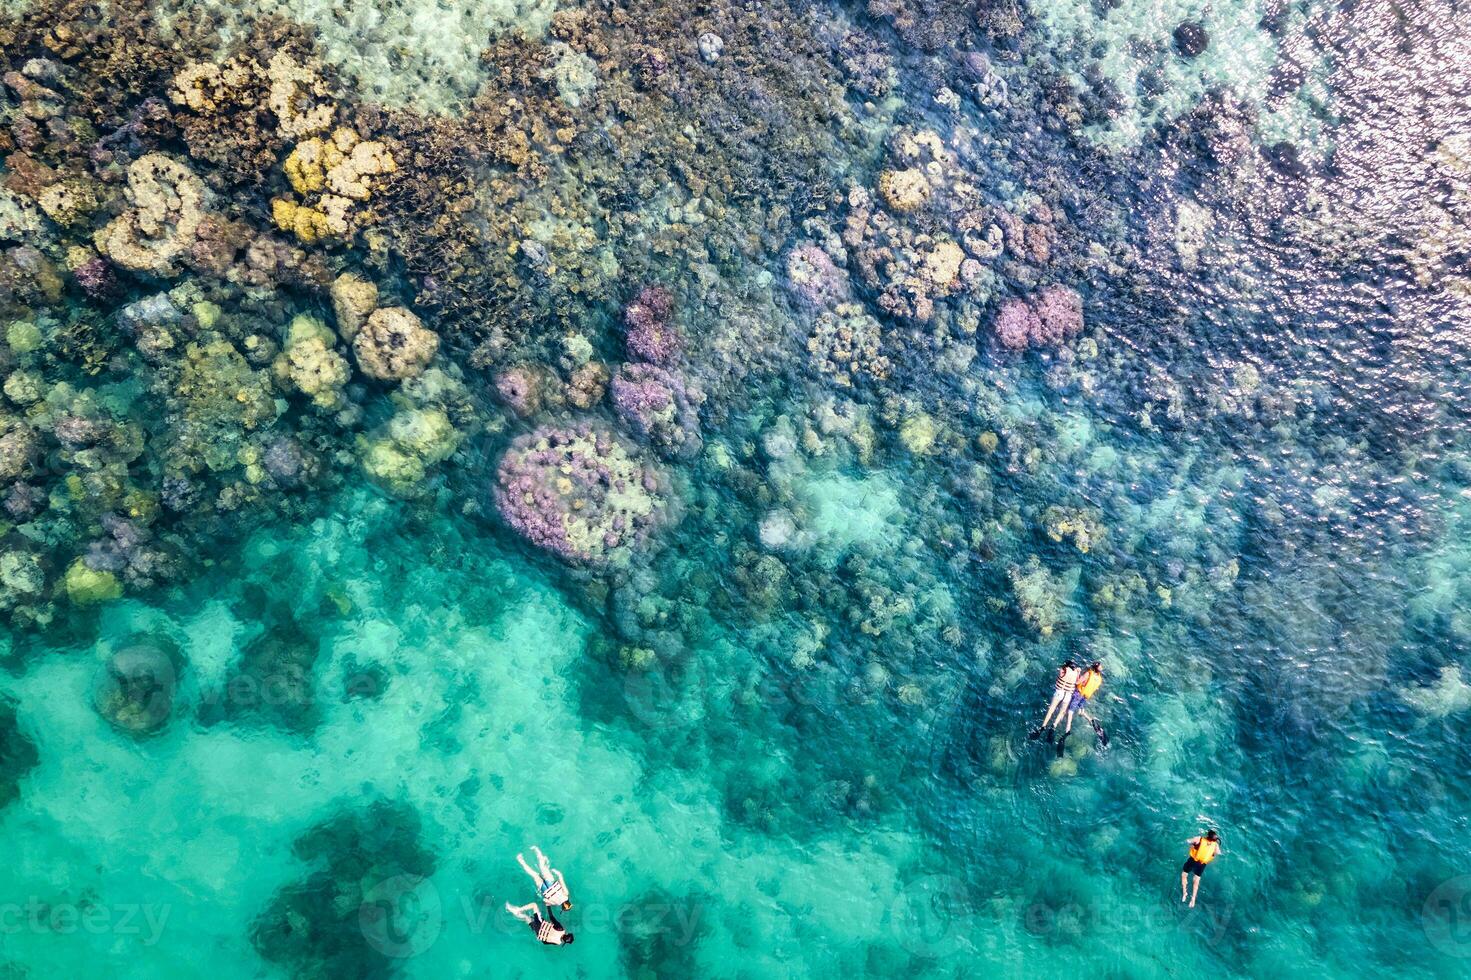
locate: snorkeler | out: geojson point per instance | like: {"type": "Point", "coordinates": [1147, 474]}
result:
{"type": "Point", "coordinates": [549, 932]}
{"type": "Point", "coordinates": [1063, 688]}
{"type": "Point", "coordinates": [549, 883]}
{"type": "Point", "coordinates": [1203, 851]}
{"type": "Point", "coordinates": [1088, 684]}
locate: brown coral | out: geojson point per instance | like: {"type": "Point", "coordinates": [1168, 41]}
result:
{"type": "Point", "coordinates": [394, 344]}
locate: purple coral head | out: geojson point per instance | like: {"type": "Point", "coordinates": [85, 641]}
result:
{"type": "Point", "coordinates": [649, 327]}
{"type": "Point", "coordinates": [660, 408]}
{"type": "Point", "coordinates": [1016, 324]}
{"type": "Point", "coordinates": [284, 461]}
{"type": "Point", "coordinates": [96, 278]}
{"type": "Point", "coordinates": [1060, 314]}
{"type": "Point", "coordinates": [569, 491]}
{"type": "Point", "coordinates": [519, 388]}
{"type": "Point", "coordinates": [814, 280]}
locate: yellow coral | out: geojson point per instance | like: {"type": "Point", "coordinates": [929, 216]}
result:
{"type": "Point", "coordinates": [306, 167]}
{"type": "Point", "coordinates": [305, 223]}
{"type": "Point", "coordinates": [904, 190]}
{"type": "Point", "coordinates": [918, 433]}
{"type": "Point", "coordinates": [339, 168]}
{"type": "Point", "coordinates": [369, 158]}
{"type": "Point", "coordinates": [942, 264]}
{"type": "Point", "coordinates": [197, 86]}
{"type": "Point", "coordinates": [68, 201]}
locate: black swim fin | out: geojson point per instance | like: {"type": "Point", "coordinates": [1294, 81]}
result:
{"type": "Point", "coordinates": [1062, 744]}
{"type": "Point", "coordinates": [1034, 734]}
{"type": "Point", "coordinates": [1102, 735]}
{"type": "Point", "coordinates": [1051, 732]}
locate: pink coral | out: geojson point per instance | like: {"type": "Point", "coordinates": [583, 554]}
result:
{"type": "Point", "coordinates": [1060, 311]}
{"type": "Point", "coordinates": [520, 389]}
{"type": "Point", "coordinates": [649, 324]}
{"type": "Point", "coordinates": [1016, 324]}
{"type": "Point", "coordinates": [658, 406]}
{"type": "Point", "coordinates": [581, 493]}
{"type": "Point", "coordinates": [1053, 316]}
{"type": "Point", "coordinates": [96, 278]}
{"type": "Point", "coordinates": [814, 280]}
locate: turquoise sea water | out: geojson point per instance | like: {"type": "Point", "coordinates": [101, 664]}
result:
{"type": "Point", "coordinates": [787, 735]}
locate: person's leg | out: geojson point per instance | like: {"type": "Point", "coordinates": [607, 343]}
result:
{"type": "Point", "coordinates": [527, 868]}
{"type": "Point", "coordinates": [1054, 705]}
{"type": "Point", "coordinates": [1069, 729]}
{"type": "Point", "coordinates": [522, 912]}
{"type": "Point", "coordinates": [543, 863]}
{"type": "Point", "coordinates": [1195, 891]}
{"type": "Point", "coordinates": [1184, 884]}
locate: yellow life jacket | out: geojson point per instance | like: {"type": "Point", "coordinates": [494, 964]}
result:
{"type": "Point", "coordinates": [1204, 851]}
{"type": "Point", "coordinates": [1090, 683]}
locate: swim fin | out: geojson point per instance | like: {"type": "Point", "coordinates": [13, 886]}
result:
{"type": "Point", "coordinates": [1034, 734]}
{"type": "Point", "coordinates": [1062, 744]}
{"type": "Point", "coordinates": [1102, 735]}
{"type": "Point", "coordinates": [1050, 733]}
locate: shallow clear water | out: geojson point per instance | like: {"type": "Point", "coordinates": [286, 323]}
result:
{"type": "Point", "coordinates": [787, 734]}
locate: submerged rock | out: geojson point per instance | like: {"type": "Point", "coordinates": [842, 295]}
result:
{"type": "Point", "coordinates": [135, 688]}
{"type": "Point", "coordinates": [1191, 39]}
{"type": "Point", "coordinates": [18, 754]}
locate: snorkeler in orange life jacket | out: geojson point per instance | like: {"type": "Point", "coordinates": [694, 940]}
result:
{"type": "Point", "coordinates": [1203, 850]}
{"type": "Point", "coordinates": [1086, 685]}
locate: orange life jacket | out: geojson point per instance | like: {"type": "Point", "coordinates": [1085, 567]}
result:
{"type": "Point", "coordinates": [1090, 683]}
{"type": "Point", "coordinates": [1204, 850]}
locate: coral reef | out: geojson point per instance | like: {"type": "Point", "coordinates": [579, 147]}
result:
{"type": "Point", "coordinates": [814, 280]}
{"type": "Point", "coordinates": [353, 300]}
{"type": "Point", "coordinates": [309, 362]}
{"type": "Point", "coordinates": [581, 493]}
{"type": "Point", "coordinates": [660, 407]}
{"type": "Point", "coordinates": [18, 755]}
{"type": "Point", "coordinates": [166, 207]}
{"type": "Point", "coordinates": [400, 455]}
{"type": "Point", "coordinates": [847, 344]}
{"type": "Point", "coordinates": [648, 320]}
{"type": "Point", "coordinates": [393, 344]}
